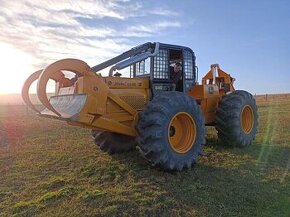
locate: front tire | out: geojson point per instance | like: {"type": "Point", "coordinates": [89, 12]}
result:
{"type": "Point", "coordinates": [237, 119]}
{"type": "Point", "coordinates": [113, 143]}
{"type": "Point", "coordinates": [171, 131]}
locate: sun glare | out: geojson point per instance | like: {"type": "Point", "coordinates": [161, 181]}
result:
{"type": "Point", "coordinates": [15, 67]}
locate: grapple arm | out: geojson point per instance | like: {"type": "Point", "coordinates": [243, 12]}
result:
{"type": "Point", "coordinates": [90, 102]}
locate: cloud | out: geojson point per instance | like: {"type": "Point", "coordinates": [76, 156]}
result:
{"type": "Point", "coordinates": [51, 30]}
{"type": "Point", "coordinates": [142, 30]}
{"type": "Point", "coordinates": [163, 12]}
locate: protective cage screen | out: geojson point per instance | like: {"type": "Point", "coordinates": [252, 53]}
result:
{"type": "Point", "coordinates": [188, 65]}
{"type": "Point", "coordinates": [161, 65]}
{"type": "Point", "coordinates": [140, 68]}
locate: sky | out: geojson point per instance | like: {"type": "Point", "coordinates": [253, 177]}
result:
{"type": "Point", "coordinates": [249, 39]}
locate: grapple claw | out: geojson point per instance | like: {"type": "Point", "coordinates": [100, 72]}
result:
{"type": "Point", "coordinates": [77, 66]}
{"type": "Point", "coordinates": [25, 89]}
{"type": "Point", "coordinates": [58, 77]}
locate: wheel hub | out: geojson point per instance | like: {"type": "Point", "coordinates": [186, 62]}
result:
{"type": "Point", "coordinates": [182, 132]}
{"type": "Point", "coordinates": [247, 119]}
{"type": "Point", "coordinates": [171, 131]}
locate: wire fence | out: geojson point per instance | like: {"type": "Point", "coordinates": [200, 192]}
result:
{"type": "Point", "coordinates": [271, 97]}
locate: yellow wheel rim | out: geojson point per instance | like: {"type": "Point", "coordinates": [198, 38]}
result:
{"type": "Point", "coordinates": [247, 119]}
{"type": "Point", "coordinates": [181, 132]}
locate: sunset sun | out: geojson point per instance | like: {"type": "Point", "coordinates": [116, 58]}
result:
{"type": "Point", "coordinates": [15, 67]}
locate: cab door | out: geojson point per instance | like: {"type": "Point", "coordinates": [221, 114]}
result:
{"type": "Point", "coordinates": [189, 70]}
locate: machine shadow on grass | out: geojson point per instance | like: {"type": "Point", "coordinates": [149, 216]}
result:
{"type": "Point", "coordinates": [224, 189]}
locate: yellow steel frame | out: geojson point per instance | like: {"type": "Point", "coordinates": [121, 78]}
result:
{"type": "Point", "coordinates": [105, 107]}
{"type": "Point", "coordinates": [211, 90]}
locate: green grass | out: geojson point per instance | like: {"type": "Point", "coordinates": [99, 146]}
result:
{"type": "Point", "coordinates": [48, 168]}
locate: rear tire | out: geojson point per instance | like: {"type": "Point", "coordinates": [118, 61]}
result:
{"type": "Point", "coordinates": [237, 119]}
{"type": "Point", "coordinates": [113, 143]}
{"type": "Point", "coordinates": [171, 131]}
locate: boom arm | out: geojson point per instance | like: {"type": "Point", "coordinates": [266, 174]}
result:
{"type": "Point", "coordinates": [134, 59]}
{"type": "Point", "coordinates": [130, 53]}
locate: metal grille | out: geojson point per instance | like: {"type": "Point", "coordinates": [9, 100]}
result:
{"type": "Point", "coordinates": [131, 70]}
{"type": "Point", "coordinates": [137, 102]}
{"type": "Point", "coordinates": [161, 65]}
{"type": "Point", "coordinates": [188, 65]}
{"type": "Point", "coordinates": [140, 68]}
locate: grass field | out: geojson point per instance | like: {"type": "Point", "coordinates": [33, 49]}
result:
{"type": "Point", "coordinates": [48, 168]}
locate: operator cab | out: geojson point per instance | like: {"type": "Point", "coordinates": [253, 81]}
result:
{"type": "Point", "coordinates": [172, 69]}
